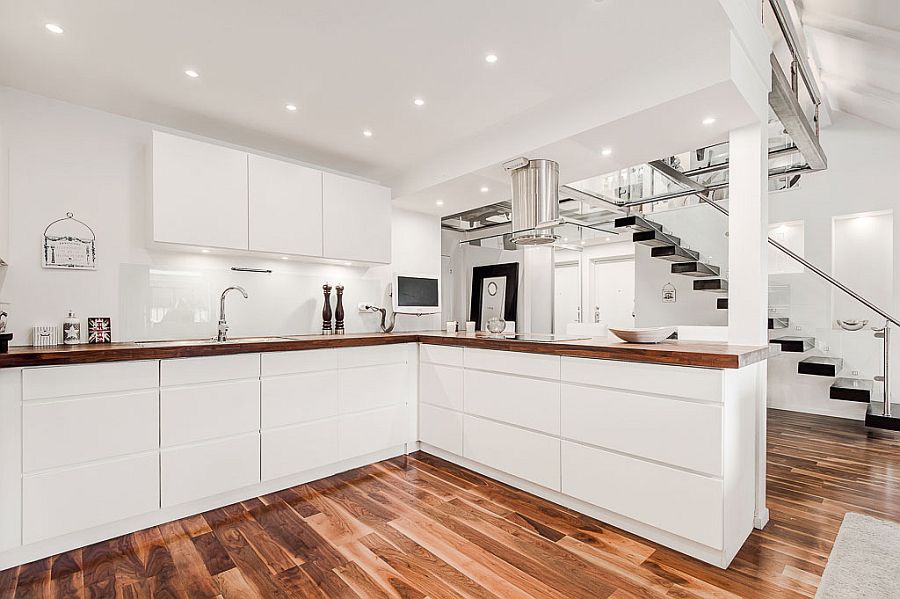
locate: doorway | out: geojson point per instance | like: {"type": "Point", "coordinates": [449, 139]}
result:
{"type": "Point", "coordinates": [612, 291]}
{"type": "Point", "coordinates": [567, 295]}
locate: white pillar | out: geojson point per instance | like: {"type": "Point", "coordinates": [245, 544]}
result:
{"type": "Point", "coordinates": [748, 284]}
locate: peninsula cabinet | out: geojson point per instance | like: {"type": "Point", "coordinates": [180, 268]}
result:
{"type": "Point", "coordinates": [207, 195]}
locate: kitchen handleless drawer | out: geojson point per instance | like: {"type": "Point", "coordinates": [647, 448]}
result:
{"type": "Point", "coordinates": [678, 381]}
{"type": "Point", "coordinates": [62, 501]}
{"type": "Point", "coordinates": [87, 379]}
{"type": "Point", "coordinates": [441, 386]}
{"type": "Point", "coordinates": [524, 402]}
{"type": "Point", "coordinates": [441, 428]}
{"type": "Point", "coordinates": [299, 448]}
{"type": "Point", "coordinates": [188, 371]}
{"type": "Point", "coordinates": [526, 454]}
{"type": "Point", "coordinates": [70, 431]}
{"type": "Point", "coordinates": [299, 398]}
{"type": "Point", "coordinates": [441, 354]}
{"type": "Point", "coordinates": [374, 355]}
{"type": "Point", "coordinates": [366, 433]}
{"type": "Point", "coordinates": [372, 387]}
{"type": "Point", "coordinates": [683, 433]}
{"type": "Point", "coordinates": [520, 363]}
{"type": "Point", "coordinates": [294, 362]}
{"type": "Point", "coordinates": [682, 503]}
{"type": "Point", "coordinates": [198, 412]}
{"type": "Point", "coordinates": [196, 471]}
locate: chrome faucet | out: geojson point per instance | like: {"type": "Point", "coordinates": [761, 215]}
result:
{"type": "Point", "coordinates": [223, 324]}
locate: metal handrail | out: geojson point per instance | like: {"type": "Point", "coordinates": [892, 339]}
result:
{"type": "Point", "coordinates": [799, 62]}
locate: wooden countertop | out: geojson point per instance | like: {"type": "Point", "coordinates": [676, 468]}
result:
{"type": "Point", "coordinates": [706, 354]}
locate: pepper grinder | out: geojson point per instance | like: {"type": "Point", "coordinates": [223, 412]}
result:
{"type": "Point", "coordinates": [339, 310]}
{"type": "Point", "coordinates": [326, 311]}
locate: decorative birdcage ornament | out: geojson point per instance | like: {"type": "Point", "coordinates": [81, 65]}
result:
{"type": "Point", "coordinates": [68, 247]}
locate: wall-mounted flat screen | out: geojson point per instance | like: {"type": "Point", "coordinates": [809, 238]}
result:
{"type": "Point", "coordinates": [415, 294]}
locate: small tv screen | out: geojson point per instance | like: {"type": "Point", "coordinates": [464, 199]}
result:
{"type": "Point", "coordinates": [414, 292]}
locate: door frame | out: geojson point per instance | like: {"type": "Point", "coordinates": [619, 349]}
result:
{"type": "Point", "coordinates": [565, 263]}
{"type": "Point", "coordinates": [592, 283]}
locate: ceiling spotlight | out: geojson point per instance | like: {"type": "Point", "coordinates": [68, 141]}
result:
{"type": "Point", "coordinates": [606, 151]}
{"type": "Point", "coordinates": [582, 242]}
{"type": "Point", "coordinates": [205, 251]}
{"type": "Point", "coordinates": [419, 102]}
{"type": "Point", "coordinates": [192, 73]}
{"type": "Point", "coordinates": [284, 257]}
{"type": "Point", "coordinates": [485, 189]}
{"type": "Point", "coordinates": [439, 203]}
{"type": "Point", "coordinates": [367, 132]}
{"type": "Point", "coordinates": [348, 264]}
{"type": "Point", "coordinates": [53, 28]}
{"type": "Point", "coordinates": [291, 107]}
{"type": "Point", "coordinates": [709, 120]}
{"type": "Point", "coordinates": [490, 58]}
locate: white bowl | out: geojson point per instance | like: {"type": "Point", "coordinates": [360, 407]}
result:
{"type": "Point", "coordinates": [852, 325]}
{"type": "Point", "coordinates": [648, 335]}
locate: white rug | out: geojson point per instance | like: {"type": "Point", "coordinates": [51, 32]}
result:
{"type": "Point", "coordinates": [864, 561]}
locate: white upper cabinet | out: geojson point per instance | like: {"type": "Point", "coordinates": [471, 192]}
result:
{"type": "Point", "coordinates": [199, 193]}
{"type": "Point", "coordinates": [357, 219]}
{"type": "Point", "coordinates": [285, 207]}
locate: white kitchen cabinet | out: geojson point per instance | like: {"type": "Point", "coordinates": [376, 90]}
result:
{"type": "Point", "coordinates": [88, 379]}
{"type": "Point", "coordinates": [525, 402]}
{"type": "Point", "coordinates": [199, 193]}
{"type": "Point", "coordinates": [298, 448]}
{"type": "Point", "coordinates": [372, 387]}
{"type": "Point", "coordinates": [296, 398]}
{"type": "Point", "coordinates": [372, 431]}
{"type": "Point", "coordinates": [526, 454]}
{"type": "Point", "coordinates": [190, 472]}
{"type": "Point", "coordinates": [356, 219]}
{"type": "Point", "coordinates": [196, 413]}
{"type": "Point", "coordinates": [441, 428]}
{"type": "Point", "coordinates": [441, 385]}
{"type": "Point", "coordinates": [285, 203]}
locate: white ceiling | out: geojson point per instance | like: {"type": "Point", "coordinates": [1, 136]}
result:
{"type": "Point", "coordinates": [856, 44]}
{"type": "Point", "coordinates": [355, 64]}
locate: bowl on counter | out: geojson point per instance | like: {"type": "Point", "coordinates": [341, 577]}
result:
{"type": "Point", "coordinates": [644, 335]}
{"type": "Point", "coordinates": [852, 325]}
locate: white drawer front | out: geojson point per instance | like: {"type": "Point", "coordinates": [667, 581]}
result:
{"type": "Point", "coordinates": [299, 398]}
{"type": "Point", "coordinates": [63, 501]}
{"type": "Point", "coordinates": [522, 453]}
{"type": "Point", "coordinates": [299, 448]}
{"type": "Point", "coordinates": [524, 402]}
{"type": "Point", "coordinates": [61, 433]}
{"type": "Point", "coordinates": [187, 371]}
{"type": "Point", "coordinates": [678, 381]}
{"type": "Point", "coordinates": [293, 362]}
{"type": "Point", "coordinates": [685, 504]}
{"type": "Point", "coordinates": [196, 413]}
{"type": "Point", "coordinates": [536, 365]}
{"type": "Point", "coordinates": [88, 379]}
{"type": "Point", "coordinates": [441, 428]}
{"type": "Point", "coordinates": [373, 387]}
{"type": "Point", "coordinates": [361, 434]}
{"type": "Point", "coordinates": [683, 433]}
{"type": "Point", "coordinates": [198, 471]}
{"type": "Point", "coordinates": [373, 355]}
{"type": "Point", "coordinates": [441, 386]}
{"type": "Point", "coordinates": [441, 354]}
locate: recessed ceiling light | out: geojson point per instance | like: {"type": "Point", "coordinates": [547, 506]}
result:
{"type": "Point", "coordinates": [485, 189]}
{"type": "Point", "coordinates": [205, 251]}
{"type": "Point", "coordinates": [290, 107]}
{"type": "Point", "coordinates": [709, 120]}
{"type": "Point", "coordinates": [439, 203]}
{"type": "Point", "coordinates": [419, 101]}
{"type": "Point", "coordinates": [348, 264]}
{"type": "Point", "coordinates": [565, 239]}
{"type": "Point", "coordinates": [606, 151]}
{"type": "Point", "coordinates": [284, 257]}
{"type": "Point", "coordinates": [607, 239]}
{"type": "Point", "coordinates": [582, 242]}
{"type": "Point", "coordinates": [367, 132]}
{"type": "Point", "coordinates": [490, 58]}
{"type": "Point", "coordinates": [192, 73]}
{"type": "Point", "coordinates": [53, 28]}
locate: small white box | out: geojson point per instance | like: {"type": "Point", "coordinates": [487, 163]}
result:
{"type": "Point", "coordinates": [45, 336]}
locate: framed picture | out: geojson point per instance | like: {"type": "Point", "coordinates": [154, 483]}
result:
{"type": "Point", "coordinates": [495, 292]}
{"type": "Point", "coordinates": [99, 330]}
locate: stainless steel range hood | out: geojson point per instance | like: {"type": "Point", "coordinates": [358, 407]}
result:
{"type": "Point", "coordinates": [535, 200]}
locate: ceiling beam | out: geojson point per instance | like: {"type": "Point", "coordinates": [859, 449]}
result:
{"type": "Point", "coordinates": [784, 104]}
{"type": "Point", "coordinates": [857, 30]}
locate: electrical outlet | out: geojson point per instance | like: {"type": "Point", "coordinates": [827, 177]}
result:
{"type": "Point", "coordinates": [362, 307]}
{"type": "Point", "coordinates": [854, 372]}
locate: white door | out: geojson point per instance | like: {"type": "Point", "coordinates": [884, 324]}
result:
{"type": "Point", "coordinates": [612, 298]}
{"type": "Point", "coordinates": [567, 296]}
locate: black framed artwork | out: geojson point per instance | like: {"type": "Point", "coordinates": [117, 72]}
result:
{"type": "Point", "coordinates": [495, 292]}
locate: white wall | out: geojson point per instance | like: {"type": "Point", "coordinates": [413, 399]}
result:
{"type": "Point", "coordinates": [861, 178]}
{"type": "Point", "coordinates": [66, 158]}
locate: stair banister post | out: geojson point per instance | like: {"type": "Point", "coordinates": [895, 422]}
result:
{"type": "Point", "coordinates": [887, 358]}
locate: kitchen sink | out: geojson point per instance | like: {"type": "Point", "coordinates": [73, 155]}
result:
{"type": "Point", "coordinates": [189, 342]}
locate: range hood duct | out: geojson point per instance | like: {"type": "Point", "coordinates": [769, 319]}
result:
{"type": "Point", "coordinates": [535, 200]}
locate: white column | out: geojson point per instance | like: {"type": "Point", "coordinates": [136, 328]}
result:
{"type": "Point", "coordinates": [748, 280]}
{"type": "Point", "coordinates": [537, 316]}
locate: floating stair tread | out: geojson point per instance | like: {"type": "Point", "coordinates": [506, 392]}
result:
{"type": "Point", "coordinates": [695, 269]}
{"type": "Point", "coordinates": [675, 253]}
{"type": "Point", "coordinates": [654, 238]}
{"type": "Point", "coordinates": [779, 323]}
{"type": "Point", "coordinates": [820, 366]}
{"type": "Point", "coordinates": [711, 285]}
{"type": "Point", "coordinates": [636, 223]}
{"type": "Point", "coordinates": [875, 416]}
{"type": "Point", "coordinates": [852, 389]}
{"type": "Point", "coordinates": [721, 303]}
{"type": "Point", "coordinates": [795, 344]}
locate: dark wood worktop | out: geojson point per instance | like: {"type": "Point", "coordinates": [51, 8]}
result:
{"type": "Point", "coordinates": [706, 354]}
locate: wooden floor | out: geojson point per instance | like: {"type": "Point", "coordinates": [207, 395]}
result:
{"type": "Point", "coordinates": [421, 527]}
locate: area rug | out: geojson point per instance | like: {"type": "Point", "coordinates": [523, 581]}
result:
{"type": "Point", "coordinates": [864, 561]}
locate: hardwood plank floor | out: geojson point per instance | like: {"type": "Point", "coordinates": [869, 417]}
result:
{"type": "Point", "coordinates": [418, 527]}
